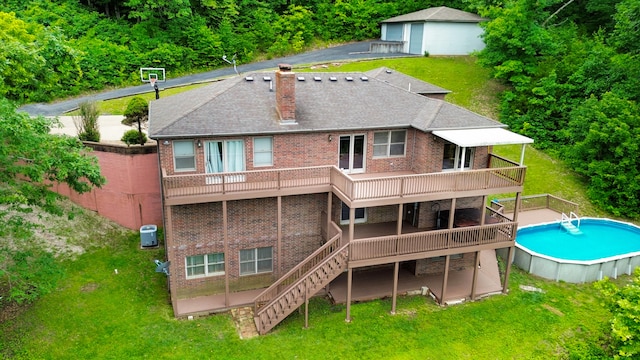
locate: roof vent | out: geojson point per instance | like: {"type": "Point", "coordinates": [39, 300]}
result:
{"type": "Point", "coordinates": [317, 78]}
{"type": "Point", "coordinates": [333, 78]}
{"type": "Point", "coordinates": [364, 78]}
{"type": "Point", "coordinates": [300, 78]}
{"type": "Point", "coordinates": [349, 78]}
{"type": "Point", "coordinates": [267, 78]}
{"type": "Point", "coordinates": [248, 78]}
{"type": "Point", "coordinates": [388, 71]}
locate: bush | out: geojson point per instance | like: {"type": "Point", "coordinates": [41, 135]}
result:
{"type": "Point", "coordinates": [87, 122]}
{"type": "Point", "coordinates": [134, 137]}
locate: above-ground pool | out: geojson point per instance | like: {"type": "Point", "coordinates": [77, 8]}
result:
{"type": "Point", "coordinates": [602, 247]}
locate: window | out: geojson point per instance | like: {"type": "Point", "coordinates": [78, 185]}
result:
{"type": "Point", "coordinates": [360, 215]}
{"type": "Point", "coordinates": [184, 157]}
{"type": "Point", "coordinates": [205, 265]}
{"type": "Point", "coordinates": [224, 156]}
{"type": "Point", "coordinates": [389, 143]}
{"type": "Point", "coordinates": [453, 156]}
{"type": "Point", "coordinates": [256, 261]}
{"type": "Point", "coordinates": [262, 151]}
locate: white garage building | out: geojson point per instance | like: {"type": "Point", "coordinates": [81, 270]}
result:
{"type": "Point", "coordinates": [438, 31]}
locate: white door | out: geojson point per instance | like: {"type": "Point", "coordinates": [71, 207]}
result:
{"type": "Point", "coordinates": [352, 153]}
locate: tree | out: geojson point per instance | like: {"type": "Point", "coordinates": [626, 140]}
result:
{"type": "Point", "coordinates": [31, 158]}
{"type": "Point", "coordinates": [605, 138]}
{"type": "Point", "coordinates": [29, 152]}
{"type": "Point", "coordinates": [624, 304]}
{"type": "Point", "coordinates": [137, 112]}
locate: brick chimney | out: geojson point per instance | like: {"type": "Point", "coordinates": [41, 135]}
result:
{"type": "Point", "coordinates": [286, 94]}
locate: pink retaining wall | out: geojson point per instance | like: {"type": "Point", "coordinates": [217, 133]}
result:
{"type": "Point", "coordinates": [131, 197]}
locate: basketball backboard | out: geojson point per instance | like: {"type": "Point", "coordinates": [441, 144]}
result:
{"type": "Point", "coordinates": [147, 74]}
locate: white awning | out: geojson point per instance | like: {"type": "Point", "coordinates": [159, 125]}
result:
{"type": "Point", "coordinates": [482, 137]}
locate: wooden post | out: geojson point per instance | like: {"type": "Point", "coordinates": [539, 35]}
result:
{"type": "Point", "coordinates": [505, 287]}
{"type": "Point", "coordinates": [349, 281]}
{"type": "Point", "coordinates": [475, 276]}
{"type": "Point", "coordinates": [516, 207]}
{"type": "Point", "coordinates": [483, 211]}
{"type": "Point", "coordinates": [306, 303]}
{"type": "Point", "coordinates": [279, 237]}
{"type": "Point", "coordinates": [329, 204]}
{"type": "Point", "coordinates": [352, 220]}
{"type": "Point", "coordinates": [445, 279]}
{"type": "Point", "coordinates": [452, 213]}
{"type": "Point", "coordinates": [395, 287]}
{"type": "Point", "coordinates": [225, 239]}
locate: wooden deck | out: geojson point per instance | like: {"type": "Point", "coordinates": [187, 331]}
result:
{"type": "Point", "coordinates": [378, 283]}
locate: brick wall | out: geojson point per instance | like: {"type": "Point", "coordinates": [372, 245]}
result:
{"type": "Point", "coordinates": [131, 197]}
{"type": "Point", "coordinates": [198, 229]}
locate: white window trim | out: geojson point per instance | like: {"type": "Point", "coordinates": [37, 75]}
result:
{"type": "Point", "coordinates": [262, 152]}
{"type": "Point", "coordinates": [206, 267]}
{"type": "Point", "coordinates": [389, 143]}
{"type": "Point", "coordinates": [175, 168]}
{"type": "Point", "coordinates": [357, 220]}
{"type": "Point", "coordinates": [255, 261]}
{"type": "Point", "coordinates": [457, 159]}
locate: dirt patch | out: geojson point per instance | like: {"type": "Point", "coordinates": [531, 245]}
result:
{"type": "Point", "coordinates": [90, 287]}
{"type": "Point", "coordinates": [553, 310]}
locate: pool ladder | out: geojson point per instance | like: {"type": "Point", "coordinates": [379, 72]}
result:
{"type": "Point", "coordinates": [567, 223]}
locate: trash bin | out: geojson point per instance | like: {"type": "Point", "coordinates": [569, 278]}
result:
{"type": "Point", "coordinates": [148, 235]}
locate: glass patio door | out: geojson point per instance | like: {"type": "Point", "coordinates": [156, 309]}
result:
{"type": "Point", "coordinates": [351, 157]}
{"type": "Point", "coordinates": [224, 157]}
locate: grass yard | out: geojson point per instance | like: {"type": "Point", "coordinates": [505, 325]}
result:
{"type": "Point", "coordinates": [98, 314]}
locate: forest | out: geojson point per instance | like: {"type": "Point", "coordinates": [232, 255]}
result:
{"type": "Point", "coordinates": [571, 69]}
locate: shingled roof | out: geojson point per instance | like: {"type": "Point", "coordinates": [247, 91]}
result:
{"type": "Point", "coordinates": [406, 82]}
{"type": "Point", "coordinates": [246, 105]}
{"type": "Point", "coordinates": [437, 14]}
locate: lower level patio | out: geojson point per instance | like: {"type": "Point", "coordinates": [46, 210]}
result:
{"type": "Point", "coordinates": [378, 283]}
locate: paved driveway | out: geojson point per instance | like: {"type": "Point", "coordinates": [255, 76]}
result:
{"type": "Point", "coordinates": [357, 50]}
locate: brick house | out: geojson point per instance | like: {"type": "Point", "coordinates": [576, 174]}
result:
{"type": "Point", "coordinates": [275, 184]}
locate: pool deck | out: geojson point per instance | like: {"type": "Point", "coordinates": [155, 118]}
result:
{"type": "Point", "coordinates": [531, 217]}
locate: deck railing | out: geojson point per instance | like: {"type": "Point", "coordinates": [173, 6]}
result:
{"type": "Point", "coordinates": [541, 201]}
{"type": "Point", "coordinates": [299, 270]}
{"type": "Point", "coordinates": [501, 173]}
{"type": "Point", "coordinates": [397, 245]}
{"type": "Point", "coordinates": [407, 185]}
{"type": "Point", "coordinates": [201, 184]}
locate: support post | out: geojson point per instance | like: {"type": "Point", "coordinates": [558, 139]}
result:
{"type": "Point", "coordinates": [306, 303]}
{"type": "Point", "coordinates": [445, 279]}
{"type": "Point", "coordinates": [505, 287]}
{"type": "Point", "coordinates": [225, 239]}
{"type": "Point", "coordinates": [352, 221]}
{"type": "Point", "coordinates": [395, 287]}
{"type": "Point", "coordinates": [516, 207]}
{"type": "Point", "coordinates": [349, 281]}
{"type": "Point", "coordinates": [279, 236]}
{"type": "Point", "coordinates": [476, 267]}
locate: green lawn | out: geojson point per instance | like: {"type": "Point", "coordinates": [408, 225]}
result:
{"type": "Point", "coordinates": [98, 314]}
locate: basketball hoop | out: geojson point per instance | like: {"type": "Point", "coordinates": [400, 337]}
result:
{"type": "Point", "coordinates": [152, 81]}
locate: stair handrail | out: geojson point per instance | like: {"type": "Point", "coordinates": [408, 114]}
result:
{"type": "Point", "coordinates": [295, 274]}
{"type": "Point", "coordinates": [259, 312]}
{"type": "Point", "coordinates": [571, 215]}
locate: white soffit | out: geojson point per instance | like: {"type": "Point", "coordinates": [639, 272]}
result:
{"type": "Point", "coordinates": [482, 137]}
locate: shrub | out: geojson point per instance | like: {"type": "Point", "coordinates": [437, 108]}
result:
{"type": "Point", "coordinates": [134, 137]}
{"type": "Point", "coordinates": [87, 122]}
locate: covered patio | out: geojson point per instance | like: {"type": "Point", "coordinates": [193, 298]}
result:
{"type": "Point", "coordinates": [370, 284]}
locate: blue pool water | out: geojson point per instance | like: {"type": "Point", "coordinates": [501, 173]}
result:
{"type": "Point", "coordinates": [600, 238]}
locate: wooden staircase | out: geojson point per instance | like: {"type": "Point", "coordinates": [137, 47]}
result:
{"type": "Point", "coordinates": [297, 286]}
